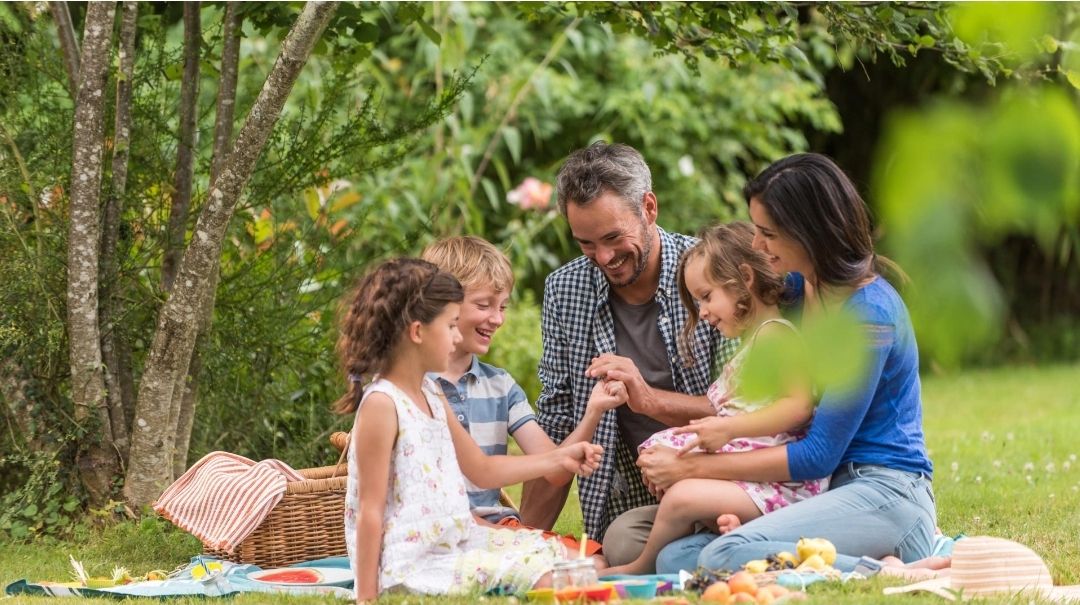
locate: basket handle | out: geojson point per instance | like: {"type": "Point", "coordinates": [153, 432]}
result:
{"type": "Point", "coordinates": [339, 440]}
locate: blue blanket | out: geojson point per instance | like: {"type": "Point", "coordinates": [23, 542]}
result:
{"type": "Point", "coordinates": [234, 578]}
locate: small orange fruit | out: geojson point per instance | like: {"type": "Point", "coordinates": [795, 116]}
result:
{"type": "Point", "coordinates": [742, 581]}
{"type": "Point", "coordinates": [778, 590]}
{"type": "Point", "coordinates": [764, 596]}
{"type": "Point", "coordinates": [717, 592]}
{"type": "Point", "coordinates": [742, 597]}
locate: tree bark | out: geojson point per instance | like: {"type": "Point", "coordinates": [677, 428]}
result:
{"type": "Point", "coordinates": [96, 460]}
{"type": "Point", "coordinates": [223, 127]}
{"type": "Point", "coordinates": [185, 151]}
{"type": "Point", "coordinates": [110, 236]}
{"type": "Point", "coordinates": [69, 46]}
{"type": "Point", "coordinates": [150, 469]}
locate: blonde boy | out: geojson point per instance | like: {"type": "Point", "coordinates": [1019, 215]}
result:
{"type": "Point", "coordinates": [486, 399]}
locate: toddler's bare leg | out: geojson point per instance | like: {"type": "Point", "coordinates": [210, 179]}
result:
{"type": "Point", "coordinates": [687, 502]}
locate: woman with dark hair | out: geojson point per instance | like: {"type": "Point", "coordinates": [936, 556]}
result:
{"type": "Point", "coordinates": [811, 222]}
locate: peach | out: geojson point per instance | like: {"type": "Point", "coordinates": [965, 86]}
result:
{"type": "Point", "coordinates": [718, 592]}
{"type": "Point", "coordinates": [742, 581]}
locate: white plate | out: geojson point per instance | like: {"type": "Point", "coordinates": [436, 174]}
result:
{"type": "Point", "coordinates": [329, 576]}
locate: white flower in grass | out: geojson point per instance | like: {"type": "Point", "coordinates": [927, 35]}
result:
{"type": "Point", "coordinates": [997, 464]}
{"type": "Point", "coordinates": [1029, 466]}
{"type": "Point", "coordinates": [978, 478]}
{"type": "Point", "coordinates": [1009, 436]}
{"type": "Point", "coordinates": [1066, 465]}
{"type": "Point", "coordinates": [955, 466]}
{"type": "Point", "coordinates": [1072, 457]}
{"type": "Point", "coordinates": [1050, 467]}
{"type": "Point", "coordinates": [987, 436]}
{"type": "Point", "coordinates": [1029, 479]}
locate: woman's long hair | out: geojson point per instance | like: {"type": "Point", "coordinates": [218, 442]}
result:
{"type": "Point", "coordinates": [812, 200]}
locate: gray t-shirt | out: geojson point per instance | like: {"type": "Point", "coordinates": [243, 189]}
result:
{"type": "Point", "coordinates": [637, 336]}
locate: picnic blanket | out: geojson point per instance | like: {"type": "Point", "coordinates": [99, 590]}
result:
{"type": "Point", "coordinates": [224, 497]}
{"type": "Point", "coordinates": [235, 578]}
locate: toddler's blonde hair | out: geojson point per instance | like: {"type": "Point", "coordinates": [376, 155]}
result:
{"type": "Point", "coordinates": [474, 261]}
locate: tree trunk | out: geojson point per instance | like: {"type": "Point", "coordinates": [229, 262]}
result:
{"type": "Point", "coordinates": [223, 127]}
{"type": "Point", "coordinates": [69, 46]}
{"type": "Point", "coordinates": [185, 151]}
{"type": "Point", "coordinates": [96, 460]}
{"type": "Point", "coordinates": [110, 236]}
{"type": "Point", "coordinates": [150, 469]}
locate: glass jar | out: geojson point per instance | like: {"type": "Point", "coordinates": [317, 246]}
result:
{"type": "Point", "coordinates": [584, 572]}
{"type": "Point", "coordinates": [563, 575]}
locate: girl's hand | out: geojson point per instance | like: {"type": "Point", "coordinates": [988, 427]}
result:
{"type": "Point", "coordinates": [711, 434]}
{"type": "Point", "coordinates": [580, 459]}
{"type": "Point", "coordinates": [607, 395]}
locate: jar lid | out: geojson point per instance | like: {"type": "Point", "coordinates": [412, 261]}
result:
{"type": "Point", "coordinates": [566, 564]}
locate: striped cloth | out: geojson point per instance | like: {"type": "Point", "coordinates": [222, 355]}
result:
{"type": "Point", "coordinates": [223, 497]}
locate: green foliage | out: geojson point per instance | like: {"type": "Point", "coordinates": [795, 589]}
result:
{"type": "Point", "coordinates": [42, 505]}
{"type": "Point", "coordinates": [1000, 169]}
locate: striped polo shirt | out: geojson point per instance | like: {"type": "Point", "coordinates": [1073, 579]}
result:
{"type": "Point", "coordinates": [491, 406]}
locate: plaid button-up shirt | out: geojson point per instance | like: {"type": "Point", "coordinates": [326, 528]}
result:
{"type": "Point", "coordinates": [577, 326]}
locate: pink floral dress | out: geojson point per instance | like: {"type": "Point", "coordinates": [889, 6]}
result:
{"type": "Point", "coordinates": [768, 496]}
{"type": "Point", "coordinates": [431, 544]}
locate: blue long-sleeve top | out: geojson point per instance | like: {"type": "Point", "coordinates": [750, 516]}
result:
{"type": "Point", "coordinates": [879, 421]}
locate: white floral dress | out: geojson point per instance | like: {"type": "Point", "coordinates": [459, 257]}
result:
{"type": "Point", "coordinates": [768, 496]}
{"type": "Point", "coordinates": [431, 544]}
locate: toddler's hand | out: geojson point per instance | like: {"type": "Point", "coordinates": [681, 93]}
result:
{"type": "Point", "coordinates": [580, 459]}
{"type": "Point", "coordinates": [607, 395]}
{"type": "Point", "coordinates": [711, 434]}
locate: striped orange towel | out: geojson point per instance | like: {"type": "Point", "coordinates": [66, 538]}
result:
{"type": "Point", "coordinates": [223, 497]}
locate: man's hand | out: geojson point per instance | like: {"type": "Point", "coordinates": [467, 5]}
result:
{"type": "Point", "coordinates": [580, 459]}
{"type": "Point", "coordinates": [610, 367]}
{"type": "Point", "coordinates": [711, 434]}
{"type": "Point", "coordinates": [662, 467]}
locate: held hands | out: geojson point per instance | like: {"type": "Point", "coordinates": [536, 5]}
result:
{"type": "Point", "coordinates": [613, 368]}
{"type": "Point", "coordinates": [711, 434]}
{"type": "Point", "coordinates": [580, 459]}
{"type": "Point", "coordinates": [661, 468]}
{"type": "Point", "coordinates": [607, 395]}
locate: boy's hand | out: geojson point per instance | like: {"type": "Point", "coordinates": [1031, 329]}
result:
{"type": "Point", "coordinates": [607, 395]}
{"type": "Point", "coordinates": [711, 434]}
{"type": "Point", "coordinates": [580, 459]}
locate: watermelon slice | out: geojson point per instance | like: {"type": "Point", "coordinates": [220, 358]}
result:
{"type": "Point", "coordinates": [291, 576]}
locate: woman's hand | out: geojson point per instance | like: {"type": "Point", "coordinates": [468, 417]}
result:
{"type": "Point", "coordinates": [712, 434]}
{"type": "Point", "coordinates": [580, 459]}
{"type": "Point", "coordinates": [661, 467]}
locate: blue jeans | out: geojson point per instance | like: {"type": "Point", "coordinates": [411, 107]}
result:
{"type": "Point", "coordinates": [869, 510]}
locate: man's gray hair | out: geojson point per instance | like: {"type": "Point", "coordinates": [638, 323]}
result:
{"type": "Point", "coordinates": [600, 168]}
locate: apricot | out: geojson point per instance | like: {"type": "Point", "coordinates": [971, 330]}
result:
{"type": "Point", "coordinates": [764, 596]}
{"type": "Point", "coordinates": [742, 581]}
{"type": "Point", "coordinates": [717, 592]}
{"type": "Point", "coordinates": [742, 597]}
{"type": "Point", "coordinates": [777, 590]}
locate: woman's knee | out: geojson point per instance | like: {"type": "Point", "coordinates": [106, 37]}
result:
{"type": "Point", "coordinates": [682, 553]}
{"type": "Point", "coordinates": [720, 553]}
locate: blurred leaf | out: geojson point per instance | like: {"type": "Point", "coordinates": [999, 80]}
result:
{"type": "Point", "coordinates": [312, 202]}
{"type": "Point", "coordinates": [1018, 25]}
{"type": "Point", "coordinates": [513, 142]}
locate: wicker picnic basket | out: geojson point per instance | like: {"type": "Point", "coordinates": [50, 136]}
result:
{"type": "Point", "coordinates": [308, 523]}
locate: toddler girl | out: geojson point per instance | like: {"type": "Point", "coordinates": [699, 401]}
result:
{"type": "Point", "coordinates": [724, 281]}
{"type": "Point", "coordinates": [407, 520]}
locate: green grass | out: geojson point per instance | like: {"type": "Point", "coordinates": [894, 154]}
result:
{"type": "Point", "coordinates": [1003, 444]}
